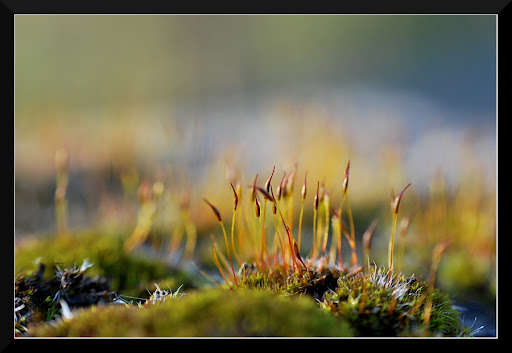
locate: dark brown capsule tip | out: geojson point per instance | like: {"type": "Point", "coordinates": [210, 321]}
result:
{"type": "Point", "coordinates": [297, 254]}
{"type": "Point", "coordinates": [257, 207]}
{"type": "Point", "coordinates": [267, 183]}
{"type": "Point", "coordinates": [296, 250]}
{"type": "Point", "coordinates": [281, 192]}
{"type": "Point", "coordinates": [235, 200]}
{"type": "Point", "coordinates": [272, 192]}
{"type": "Point", "coordinates": [345, 178]}
{"type": "Point", "coordinates": [214, 209]}
{"type": "Point", "coordinates": [253, 188]}
{"type": "Point", "coordinates": [397, 200]}
{"type": "Point", "coordinates": [265, 193]}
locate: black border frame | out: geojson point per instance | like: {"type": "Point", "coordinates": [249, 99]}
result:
{"type": "Point", "coordinates": [9, 8]}
{"type": "Point", "coordinates": [166, 7]}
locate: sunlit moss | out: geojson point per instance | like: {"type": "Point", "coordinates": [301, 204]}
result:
{"type": "Point", "coordinates": [375, 306]}
{"type": "Point", "coordinates": [372, 304]}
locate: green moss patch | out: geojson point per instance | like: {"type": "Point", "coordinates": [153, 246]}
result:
{"type": "Point", "coordinates": [377, 306]}
{"type": "Point", "coordinates": [370, 301]}
{"type": "Point", "coordinates": [206, 313]}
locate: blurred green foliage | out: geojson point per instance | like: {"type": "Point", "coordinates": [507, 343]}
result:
{"type": "Point", "coordinates": [129, 273]}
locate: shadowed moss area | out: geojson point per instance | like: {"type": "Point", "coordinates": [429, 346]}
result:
{"type": "Point", "coordinates": [129, 273]}
{"type": "Point", "coordinates": [206, 313]}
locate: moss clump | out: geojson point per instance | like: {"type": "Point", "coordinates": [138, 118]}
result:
{"type": "Point", "coordinates": [206, 313]}
{"type": "Point", "coordinates": [369, 301]}
{"type": "Point", "coordinates": [127, 272]}
{"type": "Point", "coordinates": [375, 306]}
{"type": "Point", "coordinates": [314, 283]}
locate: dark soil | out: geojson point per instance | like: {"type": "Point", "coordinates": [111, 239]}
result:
{"type": "Point", "coordinates": [38, 299]}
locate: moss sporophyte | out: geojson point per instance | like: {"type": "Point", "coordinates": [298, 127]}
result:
{"type": "Point", "coordinates": [269, 273]}
{"type": "Point", "coordinates": [375, 300]}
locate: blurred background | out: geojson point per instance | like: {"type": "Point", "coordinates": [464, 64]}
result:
{"type": "Point", "coordinates": [191, 101]}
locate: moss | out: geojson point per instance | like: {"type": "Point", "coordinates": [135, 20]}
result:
{"type": "Point", "coordinates": [205, 313]}
{"type": "Point", "coordinates": [128, 272]}
{"type": "Point", "coordinates": [371, 304]}
{"type": "Point", "coordinates": [313, 283]}
{"type": "Point", "coordinates": [376, 307]}
{"type": "Point", "coordinates": [275, 282]}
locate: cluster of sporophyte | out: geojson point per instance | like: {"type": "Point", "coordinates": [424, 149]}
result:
{"type": "Point", "coordinates": [376, 301]}
{"type": "Point", "coordinates": [284, 251]}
